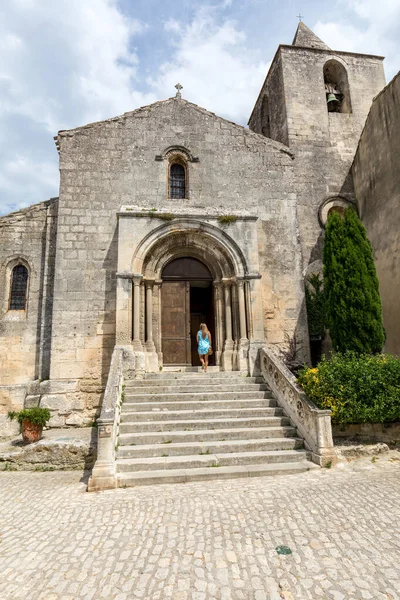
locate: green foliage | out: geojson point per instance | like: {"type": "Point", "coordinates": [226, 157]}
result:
{"type": "Point", "coordinates": [153, 214]}
{"type": "Point", "coordinates": [165, 216]}
{"type": "Point", "coordinates": [357, 388]}
{"type": "Point", "coordinates": [353, 305]}
{"type": "Point", "coordinates": [9, 467]}
{"type": "Point", "coordinates": [36, 416]}
{"type": "Point", "coordinates": [315, 303]}
{"type": "Point", "coordinates": [227, 219]}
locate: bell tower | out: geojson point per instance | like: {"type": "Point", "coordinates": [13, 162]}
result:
{"type": "Point", "coordinates": [316, 100]}
{"type": "Point", "coordinates": [314, 93]}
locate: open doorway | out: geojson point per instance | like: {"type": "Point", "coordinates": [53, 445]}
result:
{"type": "Point", "coordinates": [187, 301]}
{"type": "Point", "coordinates": [201, 311]}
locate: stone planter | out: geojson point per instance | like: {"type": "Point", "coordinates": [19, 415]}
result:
{"type": "Point", "coordinates": [31, 432]}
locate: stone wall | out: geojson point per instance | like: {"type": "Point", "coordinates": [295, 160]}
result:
{"type": "Point", "coordinates": [25, 335]}
{"type": "Point", "coordinates": [324, 143]}
{"type": "Point", "coordinates": [114, 163]}
{"type": "Point", "coordinates": [377, 186]}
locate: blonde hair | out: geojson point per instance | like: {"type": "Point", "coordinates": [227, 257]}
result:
{"type": "Point", "coordinates": [204, 330]}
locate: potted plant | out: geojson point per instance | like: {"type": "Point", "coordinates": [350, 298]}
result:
{"type": "Point", "coordinates": [32, 421]}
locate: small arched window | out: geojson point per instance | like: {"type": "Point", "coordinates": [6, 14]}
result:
{"type": "Point", "coordinates": [337, 89]}
{"type": "Point", "coordinates": [19, 288]}
{"type": "Point", "coordinates": [177, 181]}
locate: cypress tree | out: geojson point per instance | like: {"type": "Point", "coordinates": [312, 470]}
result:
{"type": "Point", "coordinates": [353, 304]}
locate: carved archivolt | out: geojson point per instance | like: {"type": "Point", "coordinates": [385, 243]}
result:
{"type": "Point", "coordinates": [189, 237]}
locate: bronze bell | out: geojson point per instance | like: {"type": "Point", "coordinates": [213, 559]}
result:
{"type": "Point", "coordinates": [333, 103]}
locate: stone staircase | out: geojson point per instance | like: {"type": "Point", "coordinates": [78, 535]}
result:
{"type": "Point", "coordinates": [193, 426]}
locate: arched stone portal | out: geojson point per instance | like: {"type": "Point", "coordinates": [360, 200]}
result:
{"type": "Point", "coordinates": [162, 255]}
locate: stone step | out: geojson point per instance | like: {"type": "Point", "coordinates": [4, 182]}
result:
{"type": "Point", "coordinates": [175, 406]}
{"type": "Point", "coordinates": [190, 381]}
{"type": "Point", "coordinates": [196, 396]}
{"type": "Point", "coordinates": [204, 389]}
{"type": "Point", "coordinates": [197, 369]}
{"type": "Point", "coordinates": [275, 420]}
{"type": "Point", "coordinates": [196, 374]}
{"type": "Point", "coordinates": [209, 473]}
{"type": "Point", "coordinates": [208, 447]}
{"type": "Point", "coordinates": [209, 460]}
{"type": "Point", "coordinates": [204, 414]}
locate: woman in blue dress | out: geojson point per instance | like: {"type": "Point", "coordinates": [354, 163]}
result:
{"type": "Point", "coordinates": [204, 345]}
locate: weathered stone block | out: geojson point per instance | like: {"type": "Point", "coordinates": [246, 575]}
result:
{"type": "Point", "coordinates": [75, 420]}
{"type": "Point", "coordinates": [59, 386]}
{"type": "Point", "coordinates": [32, 401]}
{"type": "Point", "coordinates": [56, 421]}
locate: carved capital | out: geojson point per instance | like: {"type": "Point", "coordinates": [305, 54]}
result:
{"type": "Point", "coordinates": [137, 278]}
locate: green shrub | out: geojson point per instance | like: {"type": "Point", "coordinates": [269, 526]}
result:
{"type": "Point", "coordinates": [357, 388]}
{"type": "Point", "coordinates": [353, 304]}
{"type": "Point", "coordinates": [36, 416]}
{"type": "Point", "coordinates": [315, 303]}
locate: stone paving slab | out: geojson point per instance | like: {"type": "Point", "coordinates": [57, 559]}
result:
{"type": "Point", "coordinates": [203, 541]}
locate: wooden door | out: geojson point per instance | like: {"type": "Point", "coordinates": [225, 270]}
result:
{"type": "Point", "coordinates": [175, 322]}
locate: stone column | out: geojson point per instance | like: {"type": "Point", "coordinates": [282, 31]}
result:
{"type": "Point", "coordinates": [219, 337]}
{"type": "Point", "coordinates": [124, 309]}
{"type": "Point", "coordinates": [227, 357]}
{"type": "Point", "coordinates": [228, 313]}
{"type": "Point", "coordinates": [243, 349]}
{"type": "Point", "coordinates": [137, 344]}
{"type": "Point", "coordinates": [149, 316]}
{"type": "Point", "coordinates": [242, 311]}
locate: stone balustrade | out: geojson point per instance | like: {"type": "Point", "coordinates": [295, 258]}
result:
{"type": "Point", "coordinates": [312, 423]}
{"type": "Point", "coordinates": [104, 471]}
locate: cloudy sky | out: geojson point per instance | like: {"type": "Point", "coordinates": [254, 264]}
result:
{"type": "Point", "coordinates": [65, 63]}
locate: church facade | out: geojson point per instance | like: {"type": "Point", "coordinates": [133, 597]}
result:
{"type": "Point", "coordinates": [169, 216]}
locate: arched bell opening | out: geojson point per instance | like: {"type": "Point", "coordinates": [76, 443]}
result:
{"type": "Point", "coordinates": [187, 299]}
{"type": "Point", "coordinates": [337, 88]}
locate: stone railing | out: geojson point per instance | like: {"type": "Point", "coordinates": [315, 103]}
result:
{"type": "Point", "coordinates": [104, 470]}
{"type": "Point", "coordinates": [313, 424]}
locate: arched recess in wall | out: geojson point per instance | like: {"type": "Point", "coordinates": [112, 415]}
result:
{"type": "Point", "coordinates": [334, 204]}
{"type": "Point", "coordinates": [337, 89]}
{"type": "Point", "coordinates": [17, 285]}
{"type": "Point", "coordinates": [265, 117]}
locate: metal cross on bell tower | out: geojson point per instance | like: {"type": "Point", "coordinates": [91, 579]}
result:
{"type": "Point", "coordinates": [300, 17]}
{"type": "Point", "coordinates": [179, 87]}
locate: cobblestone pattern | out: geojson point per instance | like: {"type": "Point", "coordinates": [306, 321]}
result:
{"type": "Point", "coordinates": [203, 541]}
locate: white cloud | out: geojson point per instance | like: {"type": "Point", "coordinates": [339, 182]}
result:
{"type": "Point", "coordinates": [214, 66]}
{"type": "Point", "coordinates": [366, 26]}
{"type": "Point", "coordinates": [63, 63]}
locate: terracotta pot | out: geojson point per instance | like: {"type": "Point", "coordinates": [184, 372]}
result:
{"type": "Point", "coordinates": [30, 432]}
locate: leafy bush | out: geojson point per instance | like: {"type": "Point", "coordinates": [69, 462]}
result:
{"type": "Point", "coordinates": [353, 304]}
{"type": "Point", "coordinates": [357, 388]}
{"type": "Point", "coordinates": [36, 416]}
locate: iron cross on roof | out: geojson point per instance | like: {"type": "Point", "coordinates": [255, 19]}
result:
{"type": "Point", "coordinates": [300, 17]}
{"type": "Point", "coordinates": [179, 87]}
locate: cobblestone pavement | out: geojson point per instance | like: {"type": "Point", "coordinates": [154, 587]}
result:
{"type": "Point", "coordinates": [201, 541]}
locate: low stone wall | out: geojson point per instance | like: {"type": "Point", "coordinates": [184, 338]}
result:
{"type": "Point", "coordinates": [375, 432]}
{"type": "Point", "coordinates": [312, 423]}
{"type": "Point", "coordinates": [57, 450]}
{"type": "Point", "coordinates": [104, 471]}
